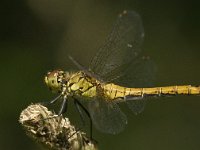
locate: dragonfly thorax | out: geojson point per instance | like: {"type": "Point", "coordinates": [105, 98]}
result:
{"type": "Point", "coordinates": [54, 80]}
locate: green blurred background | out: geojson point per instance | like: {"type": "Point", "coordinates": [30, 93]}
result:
{"type": "Point", "coordinates": [37, 35]}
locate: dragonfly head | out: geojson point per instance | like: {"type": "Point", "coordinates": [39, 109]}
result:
{"type": "Point", "coordinates": [54, 80]}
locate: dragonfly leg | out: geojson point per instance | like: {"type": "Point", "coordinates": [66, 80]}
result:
{"type": "Point", "coordinates": [52, 101]}
{"type": "Point", "coordinates": [62, 110]}
{"type": "Point", "coordinates": [55, 99]}
{"type": "Point", "coordinates": [80, 112]}
{"type": "Point", "coordinates": [63, 107]}
{"type": "Point", "coordinates": [79, 105]}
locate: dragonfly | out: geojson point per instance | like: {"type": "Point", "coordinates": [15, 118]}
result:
{"type": "Point", "coordinates": [117, 74]}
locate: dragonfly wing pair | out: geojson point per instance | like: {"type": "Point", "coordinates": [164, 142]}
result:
{"type": "Point", "coordinates": [120, 47]}
{"type": "Point", "coordinates": [118, 61]}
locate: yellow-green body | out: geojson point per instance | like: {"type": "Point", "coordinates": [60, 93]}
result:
{"type": "Point", "coordinates": [81, 85]}
{"type": "Point", "coordinates": [117, 57]}
{"type": "Point", "coordinates": [86, 87]}
{"type": "Point", "coordinates": [103, 97]}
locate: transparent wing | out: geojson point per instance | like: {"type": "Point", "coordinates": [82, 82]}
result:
{"type": "Point", "coordinates": [107, 116]}
{"type": "Point", "coordinates": [141, 73]}
{"type": "Point", "coordinates": [117, 60]}
{"type": "Point", "coordinates": [136, 106]}
{"type": "Point", "coordinates": [121, 46]}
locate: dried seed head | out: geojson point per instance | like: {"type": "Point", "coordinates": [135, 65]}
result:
{"type": "Point", "coordinates": [53, 131]}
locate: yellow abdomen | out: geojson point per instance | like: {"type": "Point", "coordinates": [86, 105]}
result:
{"type": "Point", "coordinates": [114, 92]}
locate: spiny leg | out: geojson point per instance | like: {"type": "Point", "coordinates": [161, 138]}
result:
{"type": "Point", "coordinates": [55, 99]}
{"type": "Point", "coordinates": [52, 101]}
{"type": "Point", "coordinates": [79, 105]}
{"type": "Point", "coordinates": [63, 107]}
{"type": "Point", "coordinates": [80, 112]}
{"type": "Point", "coordinates": [62, 110]}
